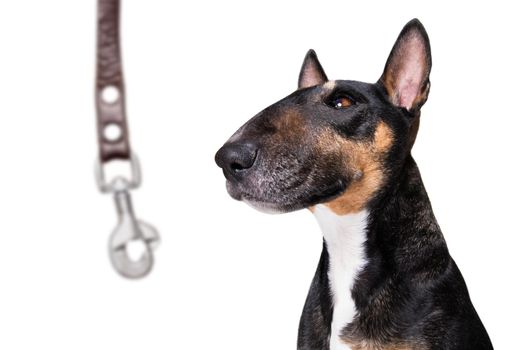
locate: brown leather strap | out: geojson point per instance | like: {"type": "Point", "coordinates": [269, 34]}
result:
{"type": "Point", "coordinates": [109, 75]}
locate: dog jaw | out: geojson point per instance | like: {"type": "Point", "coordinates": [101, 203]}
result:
{"type": "Point", "coordinates": [364, 162]}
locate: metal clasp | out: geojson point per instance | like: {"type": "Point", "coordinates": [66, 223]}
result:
{"type": "Point", "coordinates": [129, 229]}
{"type": "Point", "coordinates": [119, 182]}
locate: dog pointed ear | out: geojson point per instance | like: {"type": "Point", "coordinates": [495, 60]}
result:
{"type": "Point", "coordinates": [311, 72]}
{"type": "Point", "coordinates": [407, 70]}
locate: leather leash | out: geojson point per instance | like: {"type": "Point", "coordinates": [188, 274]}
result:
{"type": "Point", "coordinates": [113, 141]}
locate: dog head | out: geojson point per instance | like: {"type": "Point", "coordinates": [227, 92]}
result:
{"type": "Point", "coordinates": [336, 142]}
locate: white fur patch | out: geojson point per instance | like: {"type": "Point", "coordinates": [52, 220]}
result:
{"type": "Point", "coordinates": [345, 236]}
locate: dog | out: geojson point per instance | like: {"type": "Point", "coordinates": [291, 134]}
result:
{"type": "Point", "coordinates": [342, 149]}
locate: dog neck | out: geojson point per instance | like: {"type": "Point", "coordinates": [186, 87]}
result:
{"type": "Point", "coordinates": [344, 237]}
{"type": "Point", "coordinates": [396, 233]}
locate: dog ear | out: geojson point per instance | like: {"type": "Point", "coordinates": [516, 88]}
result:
{"type": "Point", "coordinates": [407, 70]}
{"type": "Point", "coordinates": [311, 72]}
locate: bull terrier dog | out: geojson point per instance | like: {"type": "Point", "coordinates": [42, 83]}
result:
{"type": "Point", "coordinates": [342, 149]}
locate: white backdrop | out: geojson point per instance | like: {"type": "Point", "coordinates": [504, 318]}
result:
{"type": "Point", "coordinates": [228, 277]}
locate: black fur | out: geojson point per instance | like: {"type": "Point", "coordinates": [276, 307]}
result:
{"type": "Point", "coordinates": [410, 288]}
{"type": "Point", "coordinates": [410, 294]}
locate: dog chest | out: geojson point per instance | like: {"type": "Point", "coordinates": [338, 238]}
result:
{"type": "Point", "coordinates": [345, 236]}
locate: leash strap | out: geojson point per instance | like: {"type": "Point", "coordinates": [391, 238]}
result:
{"type": "Point", "coordinates": [113, 142]}
{"type": "Point", "coordinates": [112, 126]}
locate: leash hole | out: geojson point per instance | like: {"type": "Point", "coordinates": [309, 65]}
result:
{"type": "Point", "coordinates": [112, 132]}
{"type": "Point", "coordinates": [135, 249]}
{"type": "Point", "coordinates": [110, 94]}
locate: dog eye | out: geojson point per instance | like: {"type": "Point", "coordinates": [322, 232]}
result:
{"type": "Point", "coordinates": [341, 102]}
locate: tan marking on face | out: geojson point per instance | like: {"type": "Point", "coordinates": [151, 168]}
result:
{"type": "Point", "coordinates": [329, 85]}
{"type": "Point", "coordinates": [289, 125]}
{"type": "Point", "coordinates": [363, 160]}
{"type": "Point", "coordinates": [383, 138]}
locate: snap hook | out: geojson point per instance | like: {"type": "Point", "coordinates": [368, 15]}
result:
{"type": "Point", "coordinates": [129, 230]}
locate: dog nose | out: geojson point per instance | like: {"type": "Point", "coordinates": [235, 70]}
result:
{"type": "Point", "coordinates": [235, 158]}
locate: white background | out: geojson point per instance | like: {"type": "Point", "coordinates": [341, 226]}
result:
{"type": "Point", "coordinates": [228, 277]}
